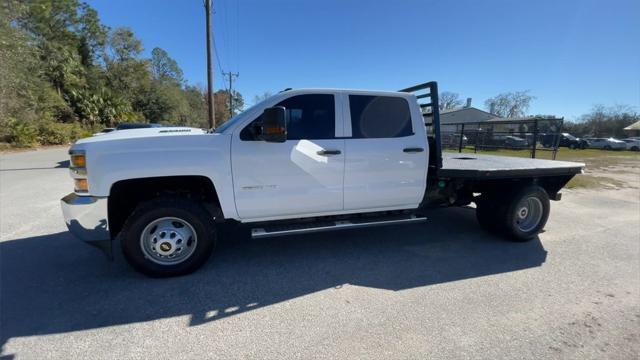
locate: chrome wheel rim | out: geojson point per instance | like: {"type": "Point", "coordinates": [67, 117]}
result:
{"type": "Point", "coordinates": [529, 213]}
{"type": "Point", "coordinates": [168, 241]}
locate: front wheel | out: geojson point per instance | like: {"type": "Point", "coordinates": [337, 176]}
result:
{"type": "Point", "coordinates": [168, 237]}
{"type": "Point", "coordinates": [607, 147]}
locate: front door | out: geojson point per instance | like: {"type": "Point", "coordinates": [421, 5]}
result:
{"type": "Point", "coordinates": [301, 176]}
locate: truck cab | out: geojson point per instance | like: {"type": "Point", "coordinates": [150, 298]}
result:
{"type": "Point", "coordinates": [343, 152]}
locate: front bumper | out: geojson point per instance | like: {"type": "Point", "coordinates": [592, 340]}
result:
{"type": "Point", "coordinates": [86, 217]}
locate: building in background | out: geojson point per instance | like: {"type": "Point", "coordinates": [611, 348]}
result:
{"type": "Point", "coordinates": [633, 129]}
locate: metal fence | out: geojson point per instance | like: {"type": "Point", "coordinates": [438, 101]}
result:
{"type": "Point", "coordinates": [529, 134]}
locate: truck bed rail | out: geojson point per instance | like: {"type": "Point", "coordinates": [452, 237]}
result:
{"type": "Point", "coordinates": [431, 113]}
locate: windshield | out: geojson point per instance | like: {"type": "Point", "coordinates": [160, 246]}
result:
{"type": "Point", "coordinates": [569, 136]}
{"type": "Point", "coordinates": [222, 128]}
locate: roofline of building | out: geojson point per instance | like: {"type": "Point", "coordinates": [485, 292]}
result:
{"type": "Point", "coordinates": [448, 111]}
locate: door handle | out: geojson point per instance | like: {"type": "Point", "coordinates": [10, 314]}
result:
{"type": "Point", "coordinates": [413, 150]}
{"type": "Point", "coordinates": [329, 152]}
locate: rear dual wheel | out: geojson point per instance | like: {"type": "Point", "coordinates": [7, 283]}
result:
{"type": "Point", "coordinates": [520, 216]}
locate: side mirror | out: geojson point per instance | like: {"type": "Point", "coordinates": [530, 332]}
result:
{"type": "Point", "coordinates": [274, 124]}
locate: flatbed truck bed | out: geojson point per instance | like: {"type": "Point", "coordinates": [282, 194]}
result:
{"type": "Point", "coordinates": [485, 167]}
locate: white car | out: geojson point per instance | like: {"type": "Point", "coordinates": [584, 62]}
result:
{"type": "Point", "coordinates": [633, 144]}
{"type": "Point", "coordinates": [606, 144]}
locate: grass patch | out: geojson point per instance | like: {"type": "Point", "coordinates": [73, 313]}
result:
{"type": "Point", "coordinates": [598, 161]}
{"type": "Point", "coordinates": [592, 182]}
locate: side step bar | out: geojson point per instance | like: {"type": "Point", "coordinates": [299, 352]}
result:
{"type": "Point", "coordinates": [293, 229]}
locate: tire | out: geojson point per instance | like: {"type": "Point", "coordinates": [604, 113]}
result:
{"type": "Point", "coordinates": [572, 146]}
{"type": "Point", "coordinates": [526, 214]}
{"type": "Point", "coordinates": [635, 148]}
{"type": "Point", "coordinates": [187, 228]}
{"type": "Point", "coordinates": [490, 212]}
{"type": "Point", "coordinates": [607, 147]}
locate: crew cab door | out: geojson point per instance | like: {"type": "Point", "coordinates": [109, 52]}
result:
{"type": "Point", "coordinates": [301, 176]}
{"type": "Point", "coordinates": [386, 153]}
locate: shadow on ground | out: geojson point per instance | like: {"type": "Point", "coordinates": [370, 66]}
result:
{"type": "Point", "coordinates": [59, 165]}
{"type": "Point", "coordinates": [53, 284]}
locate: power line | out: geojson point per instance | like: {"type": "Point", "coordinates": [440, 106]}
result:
{"type": "Point", "coordinates": [217, 56]}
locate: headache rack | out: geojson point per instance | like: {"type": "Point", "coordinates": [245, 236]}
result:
{"type": "Point", "coordinates": [431, 113]}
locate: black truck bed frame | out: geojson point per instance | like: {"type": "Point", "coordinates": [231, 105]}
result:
{"type": "Point", "coordinates": [479, 166]}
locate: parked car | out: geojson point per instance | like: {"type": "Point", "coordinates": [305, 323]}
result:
{"type": "Point", "coordinates": [506, 141]}
{"type": "Point", "coordinates": [515, 142]}
{"type": "Point", "coordinates": [632, 144]}
{"type": "Point", "coordinates": [606, 144]}
{"type": "Point", "coordinates": [566, 140]}
{"type": "Point", "coordinates": [452, 141]}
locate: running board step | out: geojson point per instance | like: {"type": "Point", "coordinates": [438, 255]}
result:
{"type": "Point", "coordinates": [305, 228]}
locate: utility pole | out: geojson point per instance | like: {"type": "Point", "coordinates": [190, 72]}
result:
{"type": "Point", "coordinates": [212, 120]}
{"type": "Point", "coordinates": [231, 75]}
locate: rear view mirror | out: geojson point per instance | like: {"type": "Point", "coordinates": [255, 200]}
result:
{"type": "Point", "coordinates": [274, 124]}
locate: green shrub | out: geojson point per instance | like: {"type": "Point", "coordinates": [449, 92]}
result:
{"type": "Point", "coordinates": [22, 134]}
{"type": "Point", "coordinates": [52, 133]}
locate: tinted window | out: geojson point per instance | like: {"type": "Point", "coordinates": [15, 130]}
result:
{"type": "Point", "coordinates": [379, 116]}
{"type": "Point", "coordinates": [310, 117]}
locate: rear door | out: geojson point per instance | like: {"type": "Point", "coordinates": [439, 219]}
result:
{"type": "Point", "coordinates": [301, 176]}
{"type": "Point", "coordinates": [386, 153]}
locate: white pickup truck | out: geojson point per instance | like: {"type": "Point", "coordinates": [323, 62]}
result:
{"type": "Point", "coordinates": [304, 160]}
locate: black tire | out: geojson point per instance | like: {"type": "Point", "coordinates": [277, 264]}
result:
{"type": "Point", "coordinates": [490, 213]}
{"type": "Point", "coordinates": [635, 148]}
{"type": "Point", "coordinates": [186, 210]}
{"type": "Point", "coordinates": [607, 147]}
{"type": "Point", "coordinates": [514, 225]}
{"type": "Point", "coordinates": [572, 146]}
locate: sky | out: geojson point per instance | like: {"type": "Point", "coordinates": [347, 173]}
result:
{"type": "Point", "coordinates": [569, 54]}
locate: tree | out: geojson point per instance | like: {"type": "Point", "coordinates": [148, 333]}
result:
{"type": "Point", "coordinates": [238, 103]}
{"type": "Point", "coordinates": [449, 100]}
{"type": "Point", "coordinates": [25, 92]}
{"type": "Point", "coordinates": [59, 63]}
{"type": "Point", "coordinates": [124, 45]}
{"type": "Point", "coordinates": [510, 104]}
{"type": "Point", "coordinates": [197, 111]}
{"type": "Point", "coordinates": [221, 106]}
{"type": "Point", "coordinates": [164, 67]}
{"type": "Point", "coordinates": [125, 73]}
{"type": "Point", "coordinates": [603, 121]}
{"type": "Point", "coordinates": [92, 35]}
